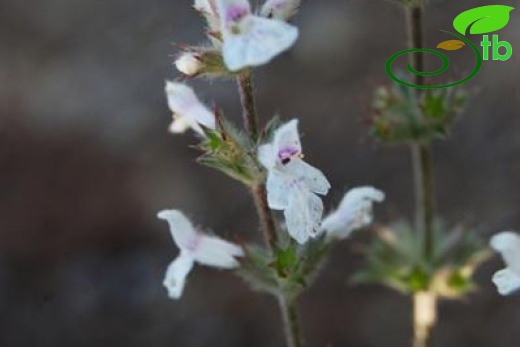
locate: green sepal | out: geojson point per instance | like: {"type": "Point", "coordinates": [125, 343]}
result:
{"type": "Point", "coordinates": [229, 151]}
{"type": "Point", "coordinates": [403, 115]}
{"type": "Point", "coordinates": [288, 270]}
{"type": "Point", "coordinates": [395, 258]}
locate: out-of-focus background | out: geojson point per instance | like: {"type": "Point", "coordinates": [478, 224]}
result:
{"type": "Point", "coordinates": [86, 162]}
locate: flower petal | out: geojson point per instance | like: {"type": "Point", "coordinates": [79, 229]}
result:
{"type": "Point", "coordinates": [508, 244]}
{"type": "Point", "coordinates": [267, 156]}
{"type": "Point", "coordinates": [184, 104]}
{"type": "Point", "coordinates": [278, 189]}
{"type": "Point", "coordinates": [354, 212]}
{"type": "Point", "coordinates": [303, 214]}
{"type": "Point", "coordinates": [214, 251]}
{"type": "Point", "coordinates": [287, 136]}
{"type": "Point", "coordinates": [180, 125]}
{"type": "Point", "coordinates": [507, 281]}
{"type": "Point", "coordinates": [175, 278]}
{"type": "Point", "coordinates": [256, 41]}
{"type": "Point", "coordinates": [181, 228]}
{"type": "Point", "coordinates": [314, 179]}
{"type": "Point", "coordinates": [232, 12]}
{"type": "Point", "coordinates": [361, 196]}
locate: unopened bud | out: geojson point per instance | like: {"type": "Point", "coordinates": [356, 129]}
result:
{"type": "Point", "coordinates": [280, 9]}
{"type": "Point", "coordinates": [189, 64]}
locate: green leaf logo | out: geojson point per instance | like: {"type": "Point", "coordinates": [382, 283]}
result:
{"type": "Point", "coordinates": [451, 45]}
{"type": "Point", "coordinates": [483, 20]}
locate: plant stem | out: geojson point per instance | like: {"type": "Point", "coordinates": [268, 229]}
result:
{"type": "Point", "coordinates": [247, 100]}
{"type": "Point", "coordinates": [250, 118]}
{"type": "Point", "coordinates": [264, 214]}
{"type": "Point", "coordinates": [287, 305]}
{"type": "Point", "coordinates": [424, 317]}
{"type": "Point", "coordinates": [422, 154]}
{"type": "Point", "coordinates": [425, 303]}
{"type": "Point", "coordinates": [422, 158]}
{"type": "Point", "coordinates": [415, 28]}
{"type": "Point", "coordinates": [291, 321]}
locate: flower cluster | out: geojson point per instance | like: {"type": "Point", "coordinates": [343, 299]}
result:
{"type": "Point", "coordinates": [241, 39]}
{"type": "Point", "coordinates": [238, 37]}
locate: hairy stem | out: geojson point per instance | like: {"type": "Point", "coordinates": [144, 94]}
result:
{"type": "Point", "coordinates": [291, 322]}
{"type": "Point", "coordinates": [264, 214]}
{"type": "Point", "coordinates": [287, 305]}
{"type": "Point", "coordinates": [425, 303]}
{"type": "Point", "coordinates": [247, 99]}
{"type": "Point", "coordinates": [250, 118]}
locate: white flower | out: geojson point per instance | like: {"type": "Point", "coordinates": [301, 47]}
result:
{"type": "Point", "coordinates": [194, 247]}
{"type": "Point", "coordinates": [250, 40]}
{"type": "Point", "coordinates": [188, 111]}
{"type": "Point", "coordinates": [507, 243]}
{"type": "Point", "coordinates": [188, 63]}
{"type": "Point", "coordinates": [279, 9]}
{"type": "Point", "coordinates": [292, 184]}
{"type": "Point", "coordinates": [354, 212]}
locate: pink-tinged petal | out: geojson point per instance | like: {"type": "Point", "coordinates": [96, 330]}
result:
{"type": "Point", "coordinates": [287, 139]}
{"type": "Point", "coordinates": [232, 12]}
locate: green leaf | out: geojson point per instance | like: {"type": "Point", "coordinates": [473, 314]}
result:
{"type": "Point", "coordinates": [482, 20]}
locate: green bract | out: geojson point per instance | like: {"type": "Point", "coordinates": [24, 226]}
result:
{"type": "Point", "coordinates": [396, 258]}
{"type": "Point", "coordinates": [228, 150]}
{"type": "Point", "coordinates": [401, 115]}
{"type": "Point", "coordinates": [289, 269]}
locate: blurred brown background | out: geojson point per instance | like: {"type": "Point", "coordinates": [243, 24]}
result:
{"type": "Point", "coordinates": [86, 162]}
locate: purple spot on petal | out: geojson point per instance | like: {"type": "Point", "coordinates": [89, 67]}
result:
{"type": "Point", "coordinates": [285, 154]}
{"type": "Point", "coordinates": [235, 13]}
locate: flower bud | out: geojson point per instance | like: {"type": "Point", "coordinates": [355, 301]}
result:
{"type": "Point", "coordinates": [189, 64]}
{"type": "Point", "coordinates": [279, 9]}
{"type": "Point", "coordinates": [208, 9]}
